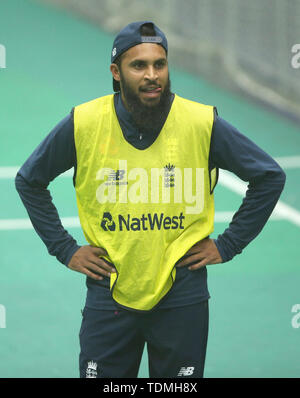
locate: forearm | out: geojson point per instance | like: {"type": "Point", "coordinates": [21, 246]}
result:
{"type": "Point", "coordinates": [251, 217]}
{"type": "Point", "coordinates": [46, 221]}
{"type": "Point", "coordinates": [234, 152]}
{"type": "Point", "coordinates": [52, 157]}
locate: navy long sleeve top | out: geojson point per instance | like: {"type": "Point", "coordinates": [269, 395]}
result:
{"type": "Point", "coordinates": [230, 150]}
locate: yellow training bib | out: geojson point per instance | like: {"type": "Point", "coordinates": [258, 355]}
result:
{"type": "Point", "coordinates": [145, 207]}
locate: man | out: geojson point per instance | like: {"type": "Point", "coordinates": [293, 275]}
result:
{"type": "Point", "coordinates": [146, 163]}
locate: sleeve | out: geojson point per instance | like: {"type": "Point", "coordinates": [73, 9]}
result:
{"type": "Point", "coordinates": [233, 151]}
{"type": "Point", "coordinates": [55, 155]}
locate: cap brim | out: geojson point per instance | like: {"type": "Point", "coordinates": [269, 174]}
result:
{"type": "Point", "coordinates": [116, 85]}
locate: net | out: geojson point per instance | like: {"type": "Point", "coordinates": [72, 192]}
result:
{"type": "Point", "coordinates": [245, 47]}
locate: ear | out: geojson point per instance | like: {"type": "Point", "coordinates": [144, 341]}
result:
{"type": "Point", "coordinates": [115, 72]}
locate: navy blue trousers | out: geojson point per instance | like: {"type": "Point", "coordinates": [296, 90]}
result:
{"type": "Point", "coordinates": [112, 342]}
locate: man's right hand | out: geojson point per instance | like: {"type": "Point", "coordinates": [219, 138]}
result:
{"type": "Point", "coordinates": [87, 261]}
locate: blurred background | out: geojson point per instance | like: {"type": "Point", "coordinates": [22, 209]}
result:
{"type": "Point", "coordinates": [240, 45]}
{"type": "Point", "coordinates": [237, 55]}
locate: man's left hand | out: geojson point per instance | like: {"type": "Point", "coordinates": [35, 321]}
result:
{"type": "Point", "coordinates": [203, 253]}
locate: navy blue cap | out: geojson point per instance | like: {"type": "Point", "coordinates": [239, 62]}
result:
{"type": "Point", "coordinates": [131, 36]}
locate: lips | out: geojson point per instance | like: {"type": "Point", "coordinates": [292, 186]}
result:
{"type": "Point", "coordinates": [151, 92]}
{"type": "Point", "coordinates": [151, 89]}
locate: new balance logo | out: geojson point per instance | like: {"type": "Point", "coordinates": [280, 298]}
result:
{"type": "Point", "coordinates": [144, 223]}
{"type": "Point", "coordinates": [116, 178]}
{"type": "Point", "coordinates": [116, 175]}
{"type": "Point", "coordinates": [186, 371]}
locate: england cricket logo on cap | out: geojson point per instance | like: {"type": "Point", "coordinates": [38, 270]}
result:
{"type": "Point", "coordinates": [91, 371]}
{"type": "Point", "coordinates": [114, 51]}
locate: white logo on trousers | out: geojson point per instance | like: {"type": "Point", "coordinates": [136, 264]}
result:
{"type": "Point", "coordinates": [91, 371]}
{"type": "Point", "coordinates": [186, 371]}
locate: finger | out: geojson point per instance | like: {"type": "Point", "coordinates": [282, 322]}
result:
{"type": "Point", "coordinates": [99, 268]}
{"type": "Point", "coordinates": [103, 264]}
{"type": "Point", "coordinates": [198, 265]}
{"type": "Point", "coordinates": [98, 251]}
{"type": "Point", "coordinates": [88, 272]}
{"type": "Point", "coordinates": [195, 249]}
{"type": "Point", "coordinates": [190, 259]}
{"type": "Point", "coordinates": [192, 250]}
{"type": "Point", "coordinates": [203, 263]}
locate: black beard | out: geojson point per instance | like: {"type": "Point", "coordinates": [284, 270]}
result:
{"type": "Point", "coordinates": [147, 116]}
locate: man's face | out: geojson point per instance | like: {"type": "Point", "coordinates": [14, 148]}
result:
{"type": "Point", "coordinates": [144, 73]}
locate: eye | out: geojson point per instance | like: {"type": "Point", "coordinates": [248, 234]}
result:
{"type": "Point", "coordinates": [160, 64]}
{"type": "Point", "coordinates": [138, 64]}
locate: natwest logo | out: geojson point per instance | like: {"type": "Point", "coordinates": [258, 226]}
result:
{"type": "Point", "coordinates": [107, 222]}
{"type": "Point", "coordinates": [146, 222]}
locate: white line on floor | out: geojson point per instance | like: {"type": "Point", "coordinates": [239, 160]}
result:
{"type": "Point", "coordinates": [25, 223]}
{"type": "Point", "coordinates": [282, 210]}
{"type": "Point", "coordinates": [229, 180]}
{"type": "Point", "coordinates": [289, 162]}
{"type": "Point", "coordinates": [73, 222]}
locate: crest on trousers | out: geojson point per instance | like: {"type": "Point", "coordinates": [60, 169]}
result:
{"type": "Point", "coordinates": [91, 370]}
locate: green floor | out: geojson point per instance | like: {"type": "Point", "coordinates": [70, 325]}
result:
{"type": "Point", "coordinates": [55, 61]}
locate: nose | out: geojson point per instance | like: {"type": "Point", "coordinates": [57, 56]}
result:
{"type": "Point", "coordinates": [151, 73]}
